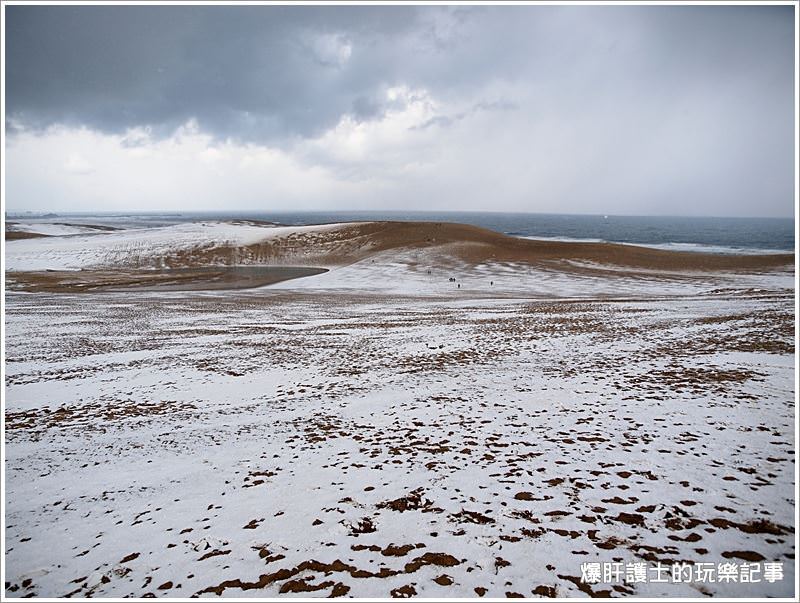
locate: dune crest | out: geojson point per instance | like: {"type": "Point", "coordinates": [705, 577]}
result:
{"type": "Point", "coordinates": [353, 242]}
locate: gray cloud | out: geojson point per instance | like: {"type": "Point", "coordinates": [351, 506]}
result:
{"type": "Point", "coordinates": [445, 121]}
{"type": "Point", "coordinates": [263, 72]}
{"type": "Point", "coordinates": [642, 104]}
{"type": "Point", "coordinates": [251, 72]}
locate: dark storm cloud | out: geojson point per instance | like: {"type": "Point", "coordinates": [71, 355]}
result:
{"type": "Point", "coordinates": [268, 72]}
{"type": "Point", "coordinates": [237, 70]}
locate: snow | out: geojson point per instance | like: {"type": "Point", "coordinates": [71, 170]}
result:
{"type": "Point", "coordinates": [115, 248]}
{"type": "Point", "coordinates": [425, 273]}
{"type": "Point", "coordinates": [146, 431]}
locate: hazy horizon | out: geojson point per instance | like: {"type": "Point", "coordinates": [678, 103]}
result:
{"type": "Point", "coordinates": [257, 211]}
{"type": "Point", "coordinates": [584, 110]}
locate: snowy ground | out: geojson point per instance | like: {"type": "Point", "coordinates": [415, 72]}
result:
{"type": "Point", "coordinates": [309, 437]}
{"type": "Point", "coordinates": [425, 273]}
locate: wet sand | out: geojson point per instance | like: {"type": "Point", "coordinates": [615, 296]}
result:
{"type": "Point", "coordinates": [177, 279]}
{"type": "Point", "coordinates": [15, 235]}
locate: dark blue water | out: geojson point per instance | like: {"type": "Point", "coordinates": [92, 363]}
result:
{"type": "Point", "coordinates": [700, 234]}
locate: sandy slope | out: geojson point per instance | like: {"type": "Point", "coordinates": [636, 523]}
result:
{"type": "Point", "coordinates": [393, 252]}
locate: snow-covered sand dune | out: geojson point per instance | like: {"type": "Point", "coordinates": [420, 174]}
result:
{"type": "Point", "coordinates": [381, 429]}
{"type": "Point", "coordinates": [140, 246]}
{"type": "Point", "coordinates": [411, 258]}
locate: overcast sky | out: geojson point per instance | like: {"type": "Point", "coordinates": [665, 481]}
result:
{"type": "Point", "coordinates": [572, 109]}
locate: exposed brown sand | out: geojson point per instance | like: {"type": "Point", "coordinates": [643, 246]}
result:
{"type": "Point", "coordinates": [99, 227]}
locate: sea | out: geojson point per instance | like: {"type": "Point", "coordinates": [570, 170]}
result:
{"type": "Point", "coordinates": [701, 234]}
